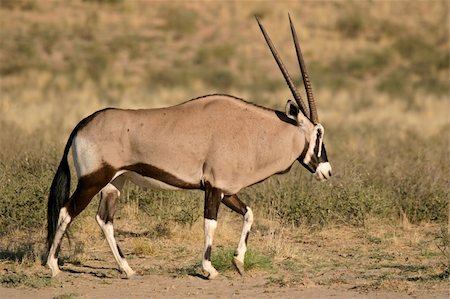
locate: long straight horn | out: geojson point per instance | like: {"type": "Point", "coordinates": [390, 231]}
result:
{"type": "Point", "coordinates": [284, 71]}
{"type": "Point", "coordinates": [312, 104]}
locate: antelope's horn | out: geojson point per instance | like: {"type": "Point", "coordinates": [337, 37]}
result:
{"type": "Point", "coordinates": [312, 105]}
{"type": "Point", "coordinates": [283, 70]}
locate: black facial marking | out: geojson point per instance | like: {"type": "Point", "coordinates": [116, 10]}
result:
{"type": "Point", "coordinates": [315, 160]}
{"type": "Point", "coordinates": [323, 157]}
{"type": "Point", "coordinates": [208, 253]}
{"type": "Point", "coordinates": [302, 157]}
{"type": "Point", "coordinates": [316, 147]}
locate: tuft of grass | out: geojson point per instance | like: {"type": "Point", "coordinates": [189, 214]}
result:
{"type": "Point", "coordinates": [23, 253]}
{"type": "Point", "coordinates": [426, 63]}
{"type": "Point", "coordinates": [66, 296]}
{"type": "Point", "coordinates": [283, 281]}
{"type": "Point", "coordinates": [279, 281]}
{"type": "Point", "coordinates": [25, 175]}
{"type": "Point", "coordinates": [258, 261]}
{"type": "Point", "coordinates": [25, 5]}
{"type": "Point", "coordinates": [222, 260]}
{"type": "Point", "coordinates": [184, 208]}
{"type": "Point", "coordinates": [210, 55]}
{"type": "Point", "coordinates": [14, 280]}
{"type": "Point", "coordinates": [394, 82]}
{"type": "Point", "coordinates": [112, 2]}
{"type": "Point", "coordinates": [218, 79]}
{"type": "Point", "coordinates": [142, 247]}
{"type": "Point", "coordinates": [350, 24]}
{"type": "Point", "coordinates": [179, 21]}
{"type": "Point", "coordinates": [443, 245]}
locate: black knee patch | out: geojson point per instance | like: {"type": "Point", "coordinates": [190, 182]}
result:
{"type": "Point", "coordinates": [246, 238]}
{"type": "Point", "coordinates": [58, 249]}
{"type": "Point", "coordinates": [120, 252]}
{"type": "Point", "coordinates": [208, 253]}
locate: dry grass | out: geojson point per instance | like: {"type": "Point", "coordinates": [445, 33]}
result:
{"type": "Point", "coordinates": [380, 72]}
{"type": "Point", "coordinates": [398, 257]}
{"type": "Point", "coordinates": [57, 68]}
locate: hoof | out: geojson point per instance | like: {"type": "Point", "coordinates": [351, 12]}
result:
{"type": "Point", "coordinates": [212, 274]}
{"type": "Point", "coordinates": [130, 274]}
{"type": "Point", "coordinates": [54, 268]}
{"type": "Point", "coordinates": [55, 272]}
{"type": "Point", "coordinates": [133, 276]}
{"type": "Point", "coordinates": [239, 266]}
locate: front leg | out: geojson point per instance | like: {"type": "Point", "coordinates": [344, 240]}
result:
{"type": "Point", "coordinates": [213, 197]}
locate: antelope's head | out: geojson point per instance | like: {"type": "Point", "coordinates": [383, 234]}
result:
{"type": "Point", "coordinates": [314, 156]}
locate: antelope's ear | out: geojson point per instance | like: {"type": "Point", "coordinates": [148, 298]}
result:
{"type": "Point", "coordinates": [292, 110]}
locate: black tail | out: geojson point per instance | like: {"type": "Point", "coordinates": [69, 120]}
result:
{"type": "Point", "coordinates": [59, 194]}
{"type": "Point", "coordinates": [60, 189]}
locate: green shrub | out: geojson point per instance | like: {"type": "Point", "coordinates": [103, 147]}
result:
{"type": "Point", "coordinates": [181, 21]}
{"type": "Point", "coordinates": [350, 24]}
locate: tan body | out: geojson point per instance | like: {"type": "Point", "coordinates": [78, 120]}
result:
{"type": "Point", "coordinates": [220, 139]}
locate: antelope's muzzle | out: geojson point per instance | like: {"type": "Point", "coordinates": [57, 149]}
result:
{"type": "Point", "coordinates": [323, 171]}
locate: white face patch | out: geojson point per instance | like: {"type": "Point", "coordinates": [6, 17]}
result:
{"type": "Point", "coordinates": [318, 132]}
{"type": "Point", "coordinates": [323, 171]}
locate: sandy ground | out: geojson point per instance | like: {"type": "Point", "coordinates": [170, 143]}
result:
{"type": "Point", "coordinates": [90, 282]}
{"type": "Point", "coordinates": [156, 286]}
{"type": "Point", "coordinates": [332, 263]}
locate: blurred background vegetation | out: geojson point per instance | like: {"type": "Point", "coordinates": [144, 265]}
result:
{"type": "Point", "coordinates": [379, 69]}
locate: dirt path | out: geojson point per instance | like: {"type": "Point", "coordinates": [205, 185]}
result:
{"type": "Point", "coordinates": [87, 285]}
{"type": "Point", "coordinates": [333, 263]}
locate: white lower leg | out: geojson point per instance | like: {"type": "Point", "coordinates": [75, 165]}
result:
{"type": "Point", "coordinates": [210, 227]}
{"type": "Point", "coordinates": [52, 259]}
{"type": "Point", "coordinates": [108, 231]}
{"type": "Point", "coordinates": [242, 246]}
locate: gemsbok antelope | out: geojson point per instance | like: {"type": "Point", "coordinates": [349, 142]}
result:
{"type": "Point", "coordinates": [216, 143]}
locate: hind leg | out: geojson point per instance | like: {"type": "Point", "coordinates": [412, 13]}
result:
{"type": "Point", "coordinates": [105, 218]}
{"type": "Point", "coordinates": [87, 188]}
{"type": "Point", "coordinates": [238, 206]}
{"type": "Point", "coordinates": [52, 259]}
